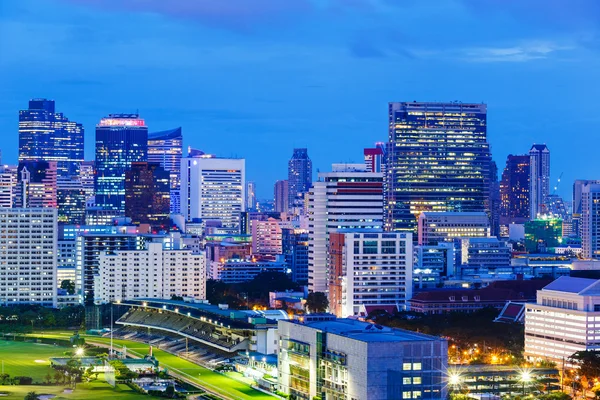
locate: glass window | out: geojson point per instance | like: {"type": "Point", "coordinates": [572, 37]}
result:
{"type": "Point", "coordinates": [406, 380]}
{"type": "Point", "coordinates": [406, 395]}
{"type": "Point", "coordinates": [370, 247]}
{"type": "Point", "coordinates": [406, 366]}
{"type": "Point", "coordinates": [417, 380]}
{"type": "Point", "coordinates": [416, 366]}
{"type": "Point", "coordinates": [388, 247]}
{"type": "Point", "coordinates": [416, 394]}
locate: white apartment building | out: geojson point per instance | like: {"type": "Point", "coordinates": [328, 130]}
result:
{"type": "Point", "coordinates": [28, 240]}
{"type": "Point", "coordinates": [436, 227]}
{"type": "Point", "coordinates": [590, 220]}
{"type": "Point", "coordinates": [369, 269]}
{"type": "Point", "coordinates": [8, 182]}
{"type": "Point", "coordinates": [346, 198]}
{"type": "Point", "coordinates": [267, 236]}
{"type": "Point", "coordinates": [150, 273]}
{"type": "Point", "coordinates": [565, 319]}
{"type": "Point", "coordinates": [213, 189]}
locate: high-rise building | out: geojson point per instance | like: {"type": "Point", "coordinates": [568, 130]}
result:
{"type": "Point", "coordinates": [213, 189]}
{"type": "Point", "coordinates": [166, 148]}
{"type": "Point", "coordinates": [166, 273]}
{"type": "Point", "coordinates": [281, 196]}
{"type": "Point", "coordinates": [147, 195]}
{"type": "Point", "coordinates": [543, 234]}
{"type": "Point", "coordinates": [346, 198]}
{"type": "Point", "coordinates": [87, 175]}
{"type": "Point", "coordinates": [8, 183]}
{"type": "Point", "coordinates": [251, 196]}
{"type": "Point", "coordinates": [590, 220]}
{"type": "Point", "coordinates": [71, 200]}
{"type": "Point", "coordinates": [369, 270]}
{"type": "Point", "coordinates": [494, 200]}
{"type": "Point", "coordinates": [539, 179]}
{"type": "Point", "coordinates": [514, 190]}
{"type": "Point", "coordinates": [36, 185]}
{"type": "Point", "coordinates": [436, 227]}
{"type": "Point", "coordinates": [577, 198]}
{"type": "Point", "coordinates": [321, 356]}
{"type": "Point", "coordinates": [266, 236]}
{"type": "Point", "coordinates": [438, 159]}
{"type": "Point", "coordinates": [294, 243]}
{"type": "Point", "coordinates": [374, 159]}
{"type": "Point", "coordinates": [28, 258]}
{"type": "Point", "coordinates": [299, 177]}
{"type": "Point", "coordinates": [45, 135]}
{"type": "Point", "coordinates": [121, 139]}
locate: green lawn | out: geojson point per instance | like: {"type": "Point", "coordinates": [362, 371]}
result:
{"type": "Point", "coordinates": [87, 391]}
{"type": "Point", "coordinates": [218, 383]}
{"type": "Point", "coordinates": [28, 359]}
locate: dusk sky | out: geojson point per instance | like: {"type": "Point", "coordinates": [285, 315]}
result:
{"type": "Point", "coordinates": [256, 78]}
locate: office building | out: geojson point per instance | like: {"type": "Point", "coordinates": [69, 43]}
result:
{"type": "Point", "coordinates": [213, 189]}
{"type": "Point", "coordinates": [433, 264]}
{"type": "Point", "coordinates": [539, 179]}
{"type": "Point", "coordinates": [346, 198]}
{"type": "Point", "coordinates": [46, 135]}
{"type": "Point", "coordinates": [36, 185]}
{"type": "Point", "coordinates": [87, 173]}
{"type": "Point", "coordinates": [576, 206]}
{"type": "Point", "coordinates": [489, 253]}
{"type": "Point", "coordinates": [543, 234]}
{"type": "Point", "coordinates": [299, 178]}
{"type": "Point", "coordinates": [147, 195]}
{"type": "Point", "coordinates": [436, 227]}
{"type": "Point", "coordinates": [369, 270]}
{"type": "Point", "coordinates": [28, 243]}
{"type": "Point", "coordinates": [590, 220]}
{"type": "Point", "coordinates": [251, 196]}
{"type": "Point", "coordinates": [166, 273]}
{"type": "Point", "coordinates": [281, 196]}
{"type": "Point", "coordinates": [237, 271]}
{"type": "Point", "coordinates": [324, 357]}
{"type": "Point", "coordinates": [8, 183]}
{"type": "Point", "coordinates": [374, 158]}
{"type": "Point", "coordinates": [294, 243]}
{"type": "Point", "coordinates": [121, 139]}
{"type": "Point", "coordinates": [514, 190]}
{"type": "Point", "coordinates": [494, 200]}
{"type": "Point", "coordinates": [438, 160]}
{"type": "Point", "coordinates": [166, 148]}
{"type": "Point", "coordinates": [66, 261]}
{"type": "Point", "coordinates": [266, 236]}
{"type": "Point", "coordinates": [563, 320]}
{"type": "Point", "coordinates": [71, 200]}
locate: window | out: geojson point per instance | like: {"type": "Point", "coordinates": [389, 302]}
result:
{"type": "Point", "coordinates": [416, 366]}
{"type": "Point", "coordinates": [406, 366]}
{"type": "Point", "coordinates": [406, 395]}
{"type": "Point", "coordinates": [388, 247]}
{"type": "Point", "coordinates": [370, 247]}
{"type": "Point", "coordinates": [406, 380]}
{"type": "Point", "coordinates": [416, 394]}
{"type": "Point", "coordinates": [417, 380]}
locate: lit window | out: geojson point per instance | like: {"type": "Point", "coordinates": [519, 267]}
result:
{"type": "Point", "coordinates": [406, 366]}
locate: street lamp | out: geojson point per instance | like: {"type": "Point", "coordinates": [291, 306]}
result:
{"type": "Point", "coordinates": [525, 378]}
{"type": "Point", "coordinates": [79, 351]}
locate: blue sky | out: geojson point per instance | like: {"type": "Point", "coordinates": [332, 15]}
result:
{"type": "Point", "coordinates": [256, 78]}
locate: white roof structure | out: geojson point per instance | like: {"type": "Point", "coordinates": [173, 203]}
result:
{"type": "Point", "coordinates": [581, 286]}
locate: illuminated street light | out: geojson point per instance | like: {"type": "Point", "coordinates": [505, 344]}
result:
{"type": "Point", "coordinates": [79, 351]}
{"type": "Point", "coordinates": [454, 379]}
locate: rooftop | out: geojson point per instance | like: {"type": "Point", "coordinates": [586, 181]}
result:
{"type": "Point", "coordinates": [455, 214]}
{"type": "Point", "coordinates": [570, 285]}
{"type": "Point", "coordinates": [164, 135]}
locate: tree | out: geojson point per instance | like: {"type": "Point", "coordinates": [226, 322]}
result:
{"type": "Point", "coordinates": [68, 285]}
{"type": "Point", "coordinates": [4, 378]}
{"type": "Point", "coordinates": [32, 396]}
{"type": "Point", "coordinates": [177, 298]}
{"type": "Point", "coordinates": [48, 378]}
{"type": "Point", "coordinates": [588, 362]}
{"type": "Point", "coordinates": [317, 302]}
{"type": "Point", "coordinates": [170, 391]}
{"type": "Point", "coordinates": [58, 377]}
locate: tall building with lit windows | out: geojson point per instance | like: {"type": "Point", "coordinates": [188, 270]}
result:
{"type": "Point", "coordinates": [46, 135]}
{"type": "Point", "coordinates": [590, 220]}
{"type": "Point", "coordinates": [213, 189]}
{"type": "Point", "coordinates": [438, 160]}
{"type": "Point", "coordinates": [166, 148]}
{"type": "Point", "coordinates": [147, 195]}
{"type": "Point", "coordinates": [121, 139]}
{"type": "Point", "coordinates": [299, 177]}
{"type": "Point", "coordinates": [514, 190]}
{"type": "Point", "coordinates": [539, 179]}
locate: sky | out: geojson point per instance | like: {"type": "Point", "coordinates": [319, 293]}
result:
{"type": "Point", "coordinates": [256, 78]}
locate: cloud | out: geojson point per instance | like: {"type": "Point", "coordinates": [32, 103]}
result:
{"type": "Point", "coordinates": [521, 53]}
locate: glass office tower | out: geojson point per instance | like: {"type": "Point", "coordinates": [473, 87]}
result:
{"type": "Point", "coordinates": [438, 159]}
{"type": "Point", "coordinates": [121, 139]}
{"type": "Point", "coordinates": [45, 135]}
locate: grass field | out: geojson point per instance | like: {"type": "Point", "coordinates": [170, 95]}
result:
{"type": "Point", "coordinates": [28, 359]}
{"type": "Point", "coordinates": [87, 391]}
{"type": "Point", "coordinates": [228, 387]}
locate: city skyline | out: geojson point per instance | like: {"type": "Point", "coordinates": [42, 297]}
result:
{"type": "Point", "coordinates": [336, 103]}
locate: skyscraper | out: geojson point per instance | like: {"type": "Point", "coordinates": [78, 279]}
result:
{"type": "Point", "coordinates": [71, 198]}
{"type": "Point", "coordinates": [45, 135]}
{"type": "Point", "coordinates": [36, 185]}
{"type": "Point", "coordinates": [493, 204]}
{"type": "Point", "coordinates": [281, 196]}
{"type": "Point", "coordinates": [590, 220]}
{"type": "Point", "coordinates": [299, 177]}
{"type": "Point", "coordinates": [374, 158]}
{"type": "Point", "coordinates": [578, 186]}
{"type": "Point", "coordinates": [213, 189]}
{"type": "Point", "coordinates": [251, 196]}
{"type": "Point", "coordinates": [348, 197]}
{"type": "Point", "coordinates": [147, 195]}
{"type": "Point", "coordinates": [120, 140]}
{"type": "Point", "coordinates": [514, 190]}
{"type": "Point", "coordinates": [438, 159]}
{"type": "Point", "coordinates": [166, 148]}
{"type": "Point", "coordinates": [539, 178]}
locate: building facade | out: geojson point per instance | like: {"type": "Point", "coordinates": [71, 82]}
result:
{"type": "Point", "coordinates": [28, 247]}
{"type": "Point", "coordinates": [267, 237]}
{"type": "Point", "coordinates": [281, 196]}
{"type": "Point", "coordinates": [438, 159]}
{"type": "Point", "coordinates": [121, 139]}
{"type": "Point", "coordinates": [436, 227]}
{"type": "Point", "coordinates": [374, 158]}
{"type": "Point", "coordinates": [543, 234]}
{"type": "Point", "coordinates": [369, 269]}
{"type": "Point", "coordinates": [321, 356]}
{"type": "Point", "coordinates": [514, 190]}
{"type": "Point", "coordinates": [213, 189]}
{"type": "Point", "coordinates": [299, 177]}
{"type": "Point", "coordinates": [45, 135]}
{"type": "Point", "coordinates": [590, 220]}
{"type": "Point", "coordinates": [346, 198]}
{"type": "Point", "coordinates": [71, 199]}
{"type": "Point", "coordinates": [36, 185]}
{"type": "Point", "coordinates": [150, 273]}
{"type": "Point", "coordinates": [539, 179]}
{"type": "Point", "coordinates": [148, 195]}
{"type": "Point", "coordinates": [578, 186]}
{"type": "Point", "coordinates": [294, 243]}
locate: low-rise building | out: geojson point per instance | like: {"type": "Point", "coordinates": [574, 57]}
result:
{"type": "Point", "coordinates": [235, 270]}
{"type": "Point", "coordinates": [322, 356]}
{"type": "Point", "coordinates": [433, 264]}
{"type": "Point", "coordinates": [435, 227]}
